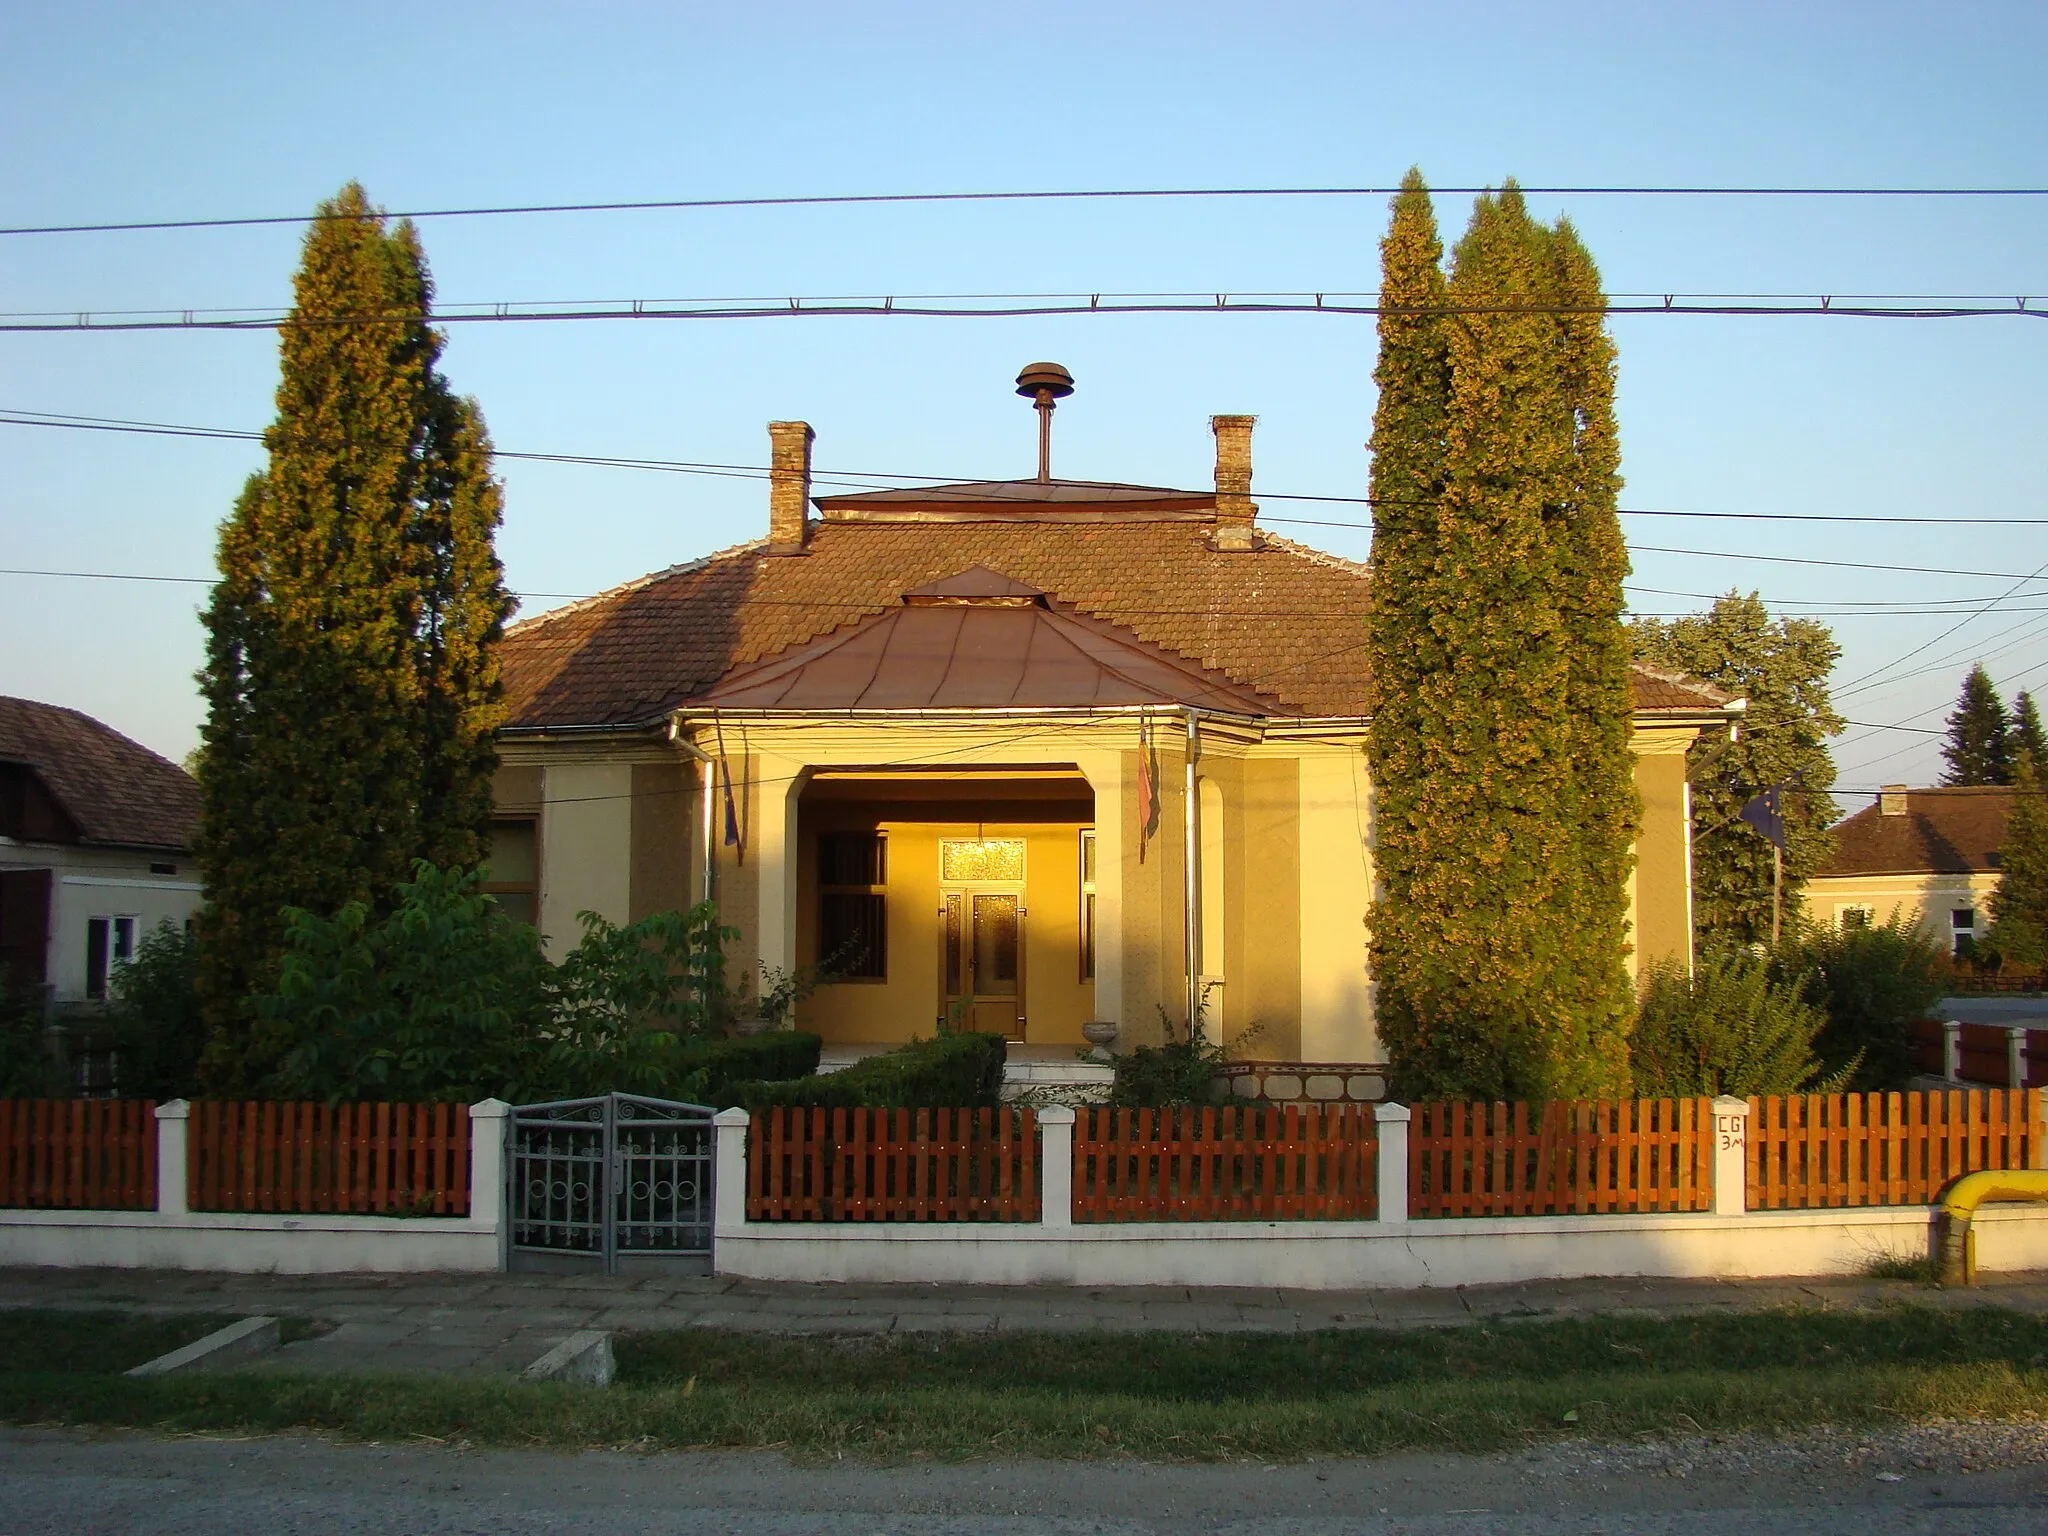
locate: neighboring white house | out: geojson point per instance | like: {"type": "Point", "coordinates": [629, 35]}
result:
{"type": "Point", "coordinates": [1928, 854]}
{"type": "Point", "coordinates": [96, 835]}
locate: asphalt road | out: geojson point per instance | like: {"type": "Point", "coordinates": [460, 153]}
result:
{"type": "Point", "coordinates": [80, 1484]}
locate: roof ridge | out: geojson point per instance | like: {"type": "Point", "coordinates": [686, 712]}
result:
{"type": "Point", "coordinates": [583, 604]}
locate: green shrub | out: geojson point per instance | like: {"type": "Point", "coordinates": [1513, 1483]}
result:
{"type": "Point", "coordinates": [717, 1066]}
{"type": "Point", "coordinates": [449, 998]}
{"type": "Point", "coordinates": [1181, 1071]}
{"type": "Point", "coordinates": [27, 1070]}
{"type": "Point", "coordinates": [954, 1071]}
{"type": "Point", "coordinates": [1874, 984]}
{"type": "Point", "coordinates": [155, 1023]}
{"type": "Point", "coordinates": [1728, 1027]}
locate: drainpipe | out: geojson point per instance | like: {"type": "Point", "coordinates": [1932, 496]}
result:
{"type": "Point", "coordinates": [710, 770]}
{"type": "Point", "coordinates": [1193, 863]}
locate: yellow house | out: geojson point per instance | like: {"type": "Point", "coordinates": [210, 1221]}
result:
{"type": "Point", "coordinates": [1930, 855]}
{"type": "Point", "coordinates": [1022, 753]}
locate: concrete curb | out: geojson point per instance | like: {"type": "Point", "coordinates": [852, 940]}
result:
{"type": "Point", "coordinates": [250, 1336]}
{"type": "Point", "coordinates": [585, 1356]}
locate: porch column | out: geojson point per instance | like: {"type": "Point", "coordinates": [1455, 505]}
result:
{"type": "Point", "coordinates": [1105, 774]}
{"type": "Point", "coordinates": [779, 781]}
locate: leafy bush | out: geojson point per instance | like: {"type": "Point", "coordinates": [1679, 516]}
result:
{"type": "Point", "coordinates": [1729, 1027]}
{"type": "Point", "coordinates": [1181, 1071]}
{"type": "Point", "coordinates": [716, 1066]}
{"type": "Point", "coordinates": [449, 998]}
{"type": "Point", "coordinates": [1874, 984]}
{"type": "Point", "coordinates": [27, 1070]}
{"type": "Point", "coordinates": [952, 1071]}
{"type": "Point", "coordinates": [155, 1023]}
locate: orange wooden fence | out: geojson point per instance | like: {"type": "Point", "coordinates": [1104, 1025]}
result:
{"type": "Point", "coordinates": [78, 1154]}
{"type": "Point", "coordinates": [1880, 1148]}
{"type": "Point", "coordinates": [1589, 1155]}
{"type": "Point", "coordinates": [1252, 1163]}
{"type": "Point", "coordinates": [893, 1165]}
{"type": "Point", "coordinates": [348, 1159]}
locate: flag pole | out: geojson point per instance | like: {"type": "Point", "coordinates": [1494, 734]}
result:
{"type": "Point", "coordinates": [1777, 891]}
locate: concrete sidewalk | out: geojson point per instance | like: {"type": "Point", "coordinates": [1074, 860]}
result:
{"type": "Point", "coordinates": [506, 1322]}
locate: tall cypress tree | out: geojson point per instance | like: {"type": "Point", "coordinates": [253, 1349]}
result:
{"type": "Point", "coordinates": [1506, 805]}
{"type": "Point", "coordinates": [350, 675]}
{"type": "Point", "coordinates": [2026, 734]}
{"type": "Point", "coordinates": [1978, 749]}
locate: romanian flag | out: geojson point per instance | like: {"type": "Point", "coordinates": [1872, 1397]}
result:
{"type": "Point", "coordinates": [1148, 786]}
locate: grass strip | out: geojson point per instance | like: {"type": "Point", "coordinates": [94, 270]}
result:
{"type": "Point", "coordinates": [40, 1340]}
{"type": "Point", "coordinates": [1157, 1395]}
{"type": "Point", "coordinates": [964, 1422]}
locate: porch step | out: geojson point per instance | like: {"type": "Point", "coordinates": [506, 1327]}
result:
{"type": "Point", "coordinates": [1047, 1067]}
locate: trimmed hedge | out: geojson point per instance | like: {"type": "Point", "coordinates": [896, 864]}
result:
{"type": "Point", "coordinates": [717, 1066]}
{"type": "Point", "coordinates": [951, 1072]}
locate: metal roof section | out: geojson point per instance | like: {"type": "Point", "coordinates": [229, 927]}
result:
{"type": "Point", "coordinates": [979, 639]}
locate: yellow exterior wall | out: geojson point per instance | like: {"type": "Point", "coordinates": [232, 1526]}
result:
{"type": "Point", "coordinates": [1660, 905]}
{"type": "Point", "coordinates": [587, 822]}
{"type": "Point", "coordinates": [907, 1004]}
{"type": "Point", "coordinates": [1263, 883]}
{"type": "Point", "coordinates": [1335, 904]}
{"type": "Point", "coordinates": [662, 807]}
{"type": "Point", "coordinates": [1924, 900]}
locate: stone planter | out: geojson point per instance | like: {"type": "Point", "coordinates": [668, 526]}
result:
{"type": "Point", "coordinates": [1101, 1034]}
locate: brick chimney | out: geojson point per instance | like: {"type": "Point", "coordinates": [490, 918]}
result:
{"type": "Point", "coordinates": [1891, 800]}
{"type": "Point", "coordinates": [1235, 508]}
{"type": "Point", "coordinates": [789, 487]}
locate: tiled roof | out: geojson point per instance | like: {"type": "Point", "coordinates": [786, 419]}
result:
{"type": "Point", "coordinates": [115, 790]}
{"type": "Point", "coordinates": [1281, 619]}
{"type": "Point", "coordinates": [1944, 832]}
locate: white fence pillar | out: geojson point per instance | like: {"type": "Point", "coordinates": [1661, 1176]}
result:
{"type": "Point", "coordinates": [1056, 1165]}
{"type": "Point", "coordinates": [1392, 1161]}
{"type": "Point", "coordinates": [487, 1126]}
{"type": "Point", "coordinates": [1731, 1149]}
{"type": "Point", "coordinates": [171, 1127]}
{"type": "Point", "coordinates": [2016, 1057]}
{"type": "Point", "coordinates": [1952, 1050]}
{"type": "Point", "coordinates": [729, 1199]}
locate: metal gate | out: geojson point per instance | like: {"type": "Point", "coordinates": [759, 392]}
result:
{"type": "Point", "coordinates": [611, 1183]}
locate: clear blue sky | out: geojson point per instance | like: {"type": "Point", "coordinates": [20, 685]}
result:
{"type": "Point", "coordinates": [117, 112]}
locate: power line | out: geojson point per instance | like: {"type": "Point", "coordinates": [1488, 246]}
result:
{"type": "Point", "coordinates": [652, 205]}
{"type": "Point", "coordinates": [996, 307]}
{"type": "Point", "coordinates": [855, 479]}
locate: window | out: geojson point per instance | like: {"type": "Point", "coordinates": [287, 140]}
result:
{"type": "Point", "coordinates": [853, 907]}
{"type": "Point", "coordinates": [109, 942]}
{"type": "Point", "coordinates": [1847, 918]}
{"type": "Point", "coordinates": [1088, 904]}
{"type": "Point", "coordinates": [1962, 923]}
{"type": "Point", "coordinates": [514, 869]}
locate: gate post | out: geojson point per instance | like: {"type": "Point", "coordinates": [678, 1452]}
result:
{"type": "Point", "coordinates": [173, 1125]}
{"type": "Point", "coordinates": [729, 1158]}
{"type": "Point", "coordinates": [1391, 1160]}
{"type": "Point", "coordinates": [487, 1168]}
{"type": "Point", "coordinates": [1056, 1166]}
{"type": "Point", "coordinates": [1731, 1156]}
{"type": "Point", "coordinates": [1952, 1050]}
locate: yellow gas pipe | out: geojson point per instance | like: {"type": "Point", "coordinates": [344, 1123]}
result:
{"type": "Point", "coordinates": [1955, 1249]}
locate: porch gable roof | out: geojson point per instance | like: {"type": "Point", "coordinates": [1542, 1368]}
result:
{"type": "Point", "coordinates": [979, 639]}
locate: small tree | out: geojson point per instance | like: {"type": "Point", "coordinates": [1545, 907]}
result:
{"type": "Point", "coordinates": [2019, 906]}
{"type": "Point", "coordinates": [157, 1027]}
{"type": "Point", "coordinates": [1978, 749]}
{"type": "Point", "coordinates": [1781, 667]}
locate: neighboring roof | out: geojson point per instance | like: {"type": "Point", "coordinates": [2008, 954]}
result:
{"type": "Point", "coordinates": [116, 790]}
{"type": "Point", "coordinates": [1952, 831]}
{"type": "Point", "coordinates": [1281, 619]}
{"type": "Point", "coordinates": [979, 640]}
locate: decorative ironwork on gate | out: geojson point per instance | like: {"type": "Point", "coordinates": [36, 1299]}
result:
{"type": "Point", "coordinates": [612, 1180]}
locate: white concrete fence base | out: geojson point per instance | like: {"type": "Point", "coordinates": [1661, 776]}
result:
{"type": "Point", "coordinates": [1393, 1251]}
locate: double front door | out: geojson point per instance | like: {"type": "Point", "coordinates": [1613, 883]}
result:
{"type": "Point", "coordinates": [981, 949]}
